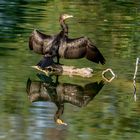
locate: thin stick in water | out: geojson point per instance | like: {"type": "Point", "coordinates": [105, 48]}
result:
{"type": "Point", "coordinates": [134, 78]}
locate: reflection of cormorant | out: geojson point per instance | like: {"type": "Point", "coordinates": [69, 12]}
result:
{"type": "Point", "coordinates": [62, 93]}
{"type": "Point", "coordinates": [60, 45]}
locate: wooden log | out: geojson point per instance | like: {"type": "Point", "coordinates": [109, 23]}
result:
{"type": "Point", "coordinates": [66, 70]}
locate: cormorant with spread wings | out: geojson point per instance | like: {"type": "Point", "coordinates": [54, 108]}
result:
{"type": "Point", "coordinates": [61, 46]}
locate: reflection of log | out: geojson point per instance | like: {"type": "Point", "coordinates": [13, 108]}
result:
{"type": "Point", "coordinates": [66, 70]}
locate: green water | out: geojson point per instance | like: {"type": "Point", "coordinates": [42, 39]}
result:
{"type": "Point", "coordinates": [113, 114]}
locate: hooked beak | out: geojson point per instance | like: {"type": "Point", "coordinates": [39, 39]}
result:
{"type": "Point", "coordinates": [65, 16]}
{"type": "Point", "coordinates": [68, 16]}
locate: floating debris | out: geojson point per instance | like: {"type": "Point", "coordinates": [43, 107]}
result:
{"type": "Point", "coordinates": [108, 79]}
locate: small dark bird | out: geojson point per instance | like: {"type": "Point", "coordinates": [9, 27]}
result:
{"type": "Point", "coordinates": [61, 46]}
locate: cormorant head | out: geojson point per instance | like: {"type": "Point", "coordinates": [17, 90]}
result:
{"type": "Point", "coordinates": [65, 16]}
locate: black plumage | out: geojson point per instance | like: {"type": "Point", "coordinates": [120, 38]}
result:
{"type": "Point", "coordinates": [61, 46]}
{"type": "Point", "coordinates": [79, 48]}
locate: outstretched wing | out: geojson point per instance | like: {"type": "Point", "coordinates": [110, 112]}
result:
{"type": "Point", "coordinates": [37, 41]}
{"type": "Point", "coordinates": [94, 54]}
{"type": "Point", "coordinates": [81, 47]}
{"type": "Point", "coordinates": [73, 48]}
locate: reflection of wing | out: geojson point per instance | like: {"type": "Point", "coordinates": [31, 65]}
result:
{"type": "Point", "coordinates": [94, 88]}
{"type": "Point", "coordinates": [76, 94]}
{"type": "Point", "coordinates": [36, 91]}
{"type": "Point", "coordinates": [65, 92]}
{"type": "Point", "coordinates": [81, 47]}
{"type": "Point", "coordinates": [39, 41]}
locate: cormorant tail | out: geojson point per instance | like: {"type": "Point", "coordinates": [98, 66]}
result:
{"type": "Point", "coordinates": [45, 62]}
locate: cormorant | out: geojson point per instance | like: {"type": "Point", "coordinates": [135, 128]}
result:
{"type": "Point", "coordinates": [61, 46]}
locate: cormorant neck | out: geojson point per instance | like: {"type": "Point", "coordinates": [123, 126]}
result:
{"type": "Point", "coordinates": [64, 27]}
